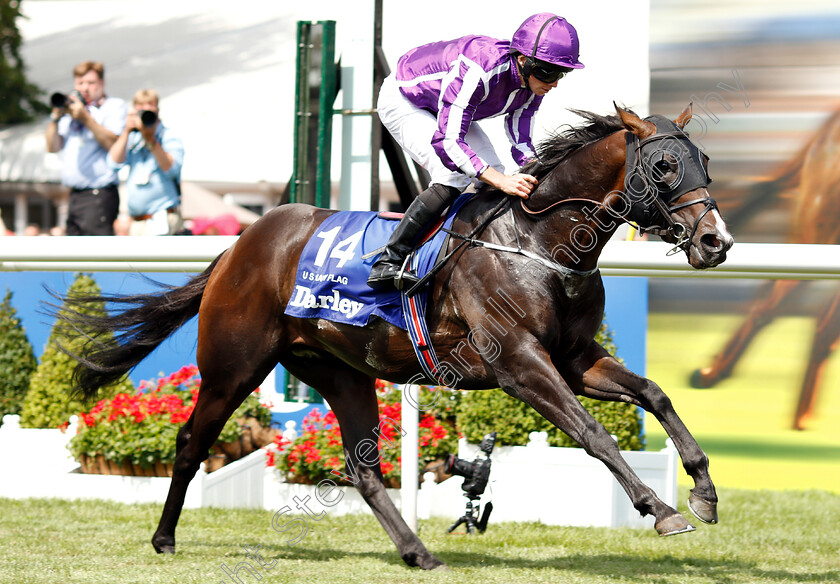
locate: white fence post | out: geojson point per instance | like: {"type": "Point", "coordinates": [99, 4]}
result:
{"type": "Point", "coordinates": [410, 423]}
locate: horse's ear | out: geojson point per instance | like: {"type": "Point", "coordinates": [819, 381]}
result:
{"type": "Point", "coordinates": [634, 123]}
{"type": "Point", "coordinates": [684, 117]}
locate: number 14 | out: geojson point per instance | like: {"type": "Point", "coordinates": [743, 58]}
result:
{"type": "Point", "coordinates": [343, 251]}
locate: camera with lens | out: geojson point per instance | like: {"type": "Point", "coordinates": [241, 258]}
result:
{"type": "Point", "coordinates": [148, 118]}
{"type": "Point", "coordinates": [61, 100]}
{"type": "Point", "coordinates": [476, 474]}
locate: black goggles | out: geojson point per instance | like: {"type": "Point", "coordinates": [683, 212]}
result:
{"type": "Point", "coordinates": [548, 73]}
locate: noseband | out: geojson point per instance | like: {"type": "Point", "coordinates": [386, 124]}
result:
{"type": "Point", "coordinates": [659, 170]}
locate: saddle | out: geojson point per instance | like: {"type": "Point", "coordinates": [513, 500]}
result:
{"type": "Point", "coordinates": [331, 277]}
{"type": "Point", "coordinates": [332, 272]}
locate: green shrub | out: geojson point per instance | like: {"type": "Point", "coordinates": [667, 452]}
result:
{"type": "Point", "coordinates": [48, 403]}
{"type": "Point", "coordinates": [17, 359]}
{"type": "Point", "coordinates": [481, 412]}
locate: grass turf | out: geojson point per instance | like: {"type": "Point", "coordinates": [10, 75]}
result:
{"type": "Point", "coordinates": [764, 537]}
{"type": "Point", "coordinates": [744, 423]}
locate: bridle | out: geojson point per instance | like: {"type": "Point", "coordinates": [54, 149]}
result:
{"type": "Point", "coordinates": [645, 181]}
{"type": "Point", "coordinates": [650, 196]}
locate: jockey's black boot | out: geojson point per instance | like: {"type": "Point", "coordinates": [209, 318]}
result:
{"type": "Point", "coordinates": [422, 211]}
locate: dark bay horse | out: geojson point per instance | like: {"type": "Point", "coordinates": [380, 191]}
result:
{"type": "Point", "coordinates": [522, 318]}
{"type": "Point", "coordinates": [813, 173]}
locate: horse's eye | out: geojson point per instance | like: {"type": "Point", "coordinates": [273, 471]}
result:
{"type": "Point", "coordinates": [662, 169]}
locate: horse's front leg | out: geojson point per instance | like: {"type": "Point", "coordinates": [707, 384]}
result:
{"type": "Point", "coordinates": [825, 341]}
{"type": "Point", "coordinates": [601, 376]}
{"type": "Point", "coordinates": [760, 315]}
{"type": "Point", "coordinates": [538, 383]}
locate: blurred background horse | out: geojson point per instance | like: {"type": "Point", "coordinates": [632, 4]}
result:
{"type": "Point", "coordinates": [811, 180]}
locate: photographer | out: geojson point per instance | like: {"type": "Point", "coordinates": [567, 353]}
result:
{"type": "Point", "coordinates": [154, 155]}
{"type": "Point", "coordinates": [83, 126]}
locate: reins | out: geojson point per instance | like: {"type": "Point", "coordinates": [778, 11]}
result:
{"type": "Point", "coordinates": [524, 252]}
{"type": "Point", "coordinates": [557, 203]}
{"type": "Point", "coordinates": [678, 230]}
{"type": "Point", "coordinates": [471, 240]}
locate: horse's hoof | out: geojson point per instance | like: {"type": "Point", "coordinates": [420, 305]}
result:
{"type": "Point", "coordinates": [699, 379]}
{"type": "Point", "coordinates": [424, 561]}
{"type": "Point", "coordinates": [672, 525]}
{"type": "Point", "coordinates": [704, 510]}
{"type": "Point", "coordinates": [164, 547]}
{"type": "Point", "coordinates": [432, 563]}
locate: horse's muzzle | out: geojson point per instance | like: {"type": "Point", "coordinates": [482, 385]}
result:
{"type": "Point", "coordinates": [709, 249]}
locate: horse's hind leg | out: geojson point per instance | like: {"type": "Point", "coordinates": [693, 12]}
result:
{"type": "Point", "coordinates": [234, 356]}
{"type": "Point", "coordinates": [352, 396]}
{"type": "Point", "coordinates": [825, 341]}
{"type": "Point", "coordinates": [602, 377]}
{"type": "Point", "coordinates": [217, 400]}
{"type": "Point", "coordinates": [760, 315]}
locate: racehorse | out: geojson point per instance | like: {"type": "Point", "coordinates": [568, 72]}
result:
{"type": "Point", "coordinates": [813, 171]}
{"type": "Point", "coordinates": [539, 348]}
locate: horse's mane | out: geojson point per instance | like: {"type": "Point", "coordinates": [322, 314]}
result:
{"type": "Point", "coordinates": [561, 144]}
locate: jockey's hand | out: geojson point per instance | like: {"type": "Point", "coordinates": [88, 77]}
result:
{"type": "Point", "coordinates": [518, 185]}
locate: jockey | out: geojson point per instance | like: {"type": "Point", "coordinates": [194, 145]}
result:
{"type": "Point", "coordinates": [430, 102]}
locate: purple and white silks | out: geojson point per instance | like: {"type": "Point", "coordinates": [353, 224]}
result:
{"type": "Point", "coordinates": [466, 79]}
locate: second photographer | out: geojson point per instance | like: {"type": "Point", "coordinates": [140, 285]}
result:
{"type": "Point", "coordinates": [154, 155]}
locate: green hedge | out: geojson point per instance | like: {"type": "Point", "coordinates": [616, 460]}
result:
{"type": "Point", "coordinates": [481, 412]}
{"type": "Point", "coordinates": [48, 403]}
{"type": "Point", "coordinates": [17, 359]}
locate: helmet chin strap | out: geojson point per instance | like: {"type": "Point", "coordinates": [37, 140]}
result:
{"type": "Point", "coordinates": [526, 68]}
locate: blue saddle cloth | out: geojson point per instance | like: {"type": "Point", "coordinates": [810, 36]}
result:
{"type": "Point", "coordinates": [331, 281]}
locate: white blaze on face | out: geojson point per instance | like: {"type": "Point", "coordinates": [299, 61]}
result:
{"type": "Point", "coordinates": [722, 233]}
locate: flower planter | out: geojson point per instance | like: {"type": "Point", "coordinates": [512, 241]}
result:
{"type": "Point", "coordinates": [100, 465]}
{"type": "Point", "coordinates": [223, 453]}
{"type": "Point", "coordinates": [555, 486]}
{"type": "Point", "coordinates": [140, 427]}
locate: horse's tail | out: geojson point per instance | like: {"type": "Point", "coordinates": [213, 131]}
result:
{"type": "Point", "coordinates": [120, 340]}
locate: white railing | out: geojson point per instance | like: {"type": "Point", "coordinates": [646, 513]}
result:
{"type": "Point", "coordinates": [745, 260]}
{"type": "Point", "coordinates": [111, 254]}
{"type": "Point", "coordinates": [192, 254]}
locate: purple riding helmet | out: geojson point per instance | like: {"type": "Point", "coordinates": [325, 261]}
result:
{"type": "Point", "coordinates": [550, 45]}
